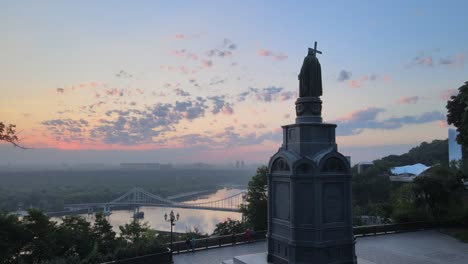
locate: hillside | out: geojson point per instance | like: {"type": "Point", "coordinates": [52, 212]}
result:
{"type": "Point", "coordinates": [428, 154]}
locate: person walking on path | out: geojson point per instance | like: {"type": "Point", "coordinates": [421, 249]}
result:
{"type": "Point", "coordinates": [247, 235]}
{"type": "Point", "coordinates": [192, 244]}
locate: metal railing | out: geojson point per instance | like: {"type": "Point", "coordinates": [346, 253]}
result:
{"type": "Point", "coordinates": [359, 231]}
{"type": "Point", "coordinates": [218, 241]}
{"type": "Point", "coordinates": [400, 227]}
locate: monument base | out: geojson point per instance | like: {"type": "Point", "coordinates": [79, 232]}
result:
{"type": "Point", "coordinates": [261, 258]}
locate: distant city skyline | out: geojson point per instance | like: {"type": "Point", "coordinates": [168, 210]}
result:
{"type": "Point", "coordinates": [113, 82]}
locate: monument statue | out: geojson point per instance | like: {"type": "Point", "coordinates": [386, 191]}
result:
{"type": "Point", "coordinates": [310, 217]}
{"type": "Point", "coordinates": [310, 77]}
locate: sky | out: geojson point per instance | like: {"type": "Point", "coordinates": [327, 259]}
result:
{"type": "Point", "coordinates": [214, 81]}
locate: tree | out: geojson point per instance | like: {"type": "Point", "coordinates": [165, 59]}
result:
{"type": "Point", "coordinates": [370, 187]}
{"type": "Point", "coordinates": [13, 238]}
{"type": "Point", "coordinates": [457, 108]}
{"type": "Point", "coordinates": [255, 212]}
{"type": "Point", "coordinates": [75, 237]}
{"type": "Point", "coordinates": [440, 190]}
{"type": "Point", "coordinates": [104, 235]}
{"type": "Point", "coordinates": [229, 227]}
{"type": "Point", "coordinates": [404, 205]}
{"type": "Point", "coordinates": [43, 244]}
{"type": "Point", "coordinates": [8, 134]}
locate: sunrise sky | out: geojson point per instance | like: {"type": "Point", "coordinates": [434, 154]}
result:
{"type": "Point", "coordinates": [213, 81]}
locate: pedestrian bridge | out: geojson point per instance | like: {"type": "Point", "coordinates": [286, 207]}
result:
{"type": "Point", "coordinates": [139, 197]}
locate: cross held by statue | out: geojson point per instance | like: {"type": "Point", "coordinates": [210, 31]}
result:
{"type": "Point", "coordinates": [315, 50]}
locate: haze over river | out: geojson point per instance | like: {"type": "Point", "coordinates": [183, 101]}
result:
{"type": "Point", "coordinates": [204, 220]}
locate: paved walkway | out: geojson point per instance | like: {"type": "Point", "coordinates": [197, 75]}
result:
{"type": "Point", "coordinates": [424, 247]}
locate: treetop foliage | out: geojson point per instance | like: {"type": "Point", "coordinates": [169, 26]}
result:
{"type": "Point", "coordinates": [457, 108]}
{"type": "Point", "coordinates": [8, 134]}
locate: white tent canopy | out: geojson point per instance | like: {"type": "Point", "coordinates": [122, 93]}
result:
{"type": "Point", "coordinates": [414, 169]}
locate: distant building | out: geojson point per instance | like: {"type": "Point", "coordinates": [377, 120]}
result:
{"type": "Point", "coordinates": [153, 166]}
{"type": "Point", "coordinates": [407, 173]}
{"type": "Point", "coordinates": [455, 150]}
{"type": "Point", "coordinates": [364, 166]}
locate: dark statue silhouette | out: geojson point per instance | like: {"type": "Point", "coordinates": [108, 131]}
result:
{"type": "Point", "coordinates": [310, 77]}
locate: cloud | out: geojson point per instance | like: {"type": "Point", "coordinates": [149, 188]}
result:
{"type": "Point", "coordinates": [227, 109]}
{"type": "Point", "coordinates": [184, 54]}
{"type": "Point", "coordinates": [343, 76]}
{"type": "Point", "coordinates": [408, 100]}
{"type": "Point", "coordinates": [362, 115]}
{"type": "Point", "coordinates": [267, 94]}
{"type": "Point", "coordinates": [421, 60]}
{"type": "Point", "coordinates": [123, 74]}
{"type": "Point", "coordinates": [456, 61]}
{"type": "Point", "coordinates": [358, 83]}
{"type": "Point", "coordinates": [180, 36]}
{"type": "Point", "coordinates": [67, 130]}
{"type": "Point", "coordinates": [133, 127]}
{"type": "Point", "coordinates": [443, 124]}
{"type": "Point", "coordinates": [191, 109]}
{"type": "Point", "coordinates": [220, 105]}
{"type": "Point", "coordinates": [216, 80]}
{"type": "Point", "coordinates": [227, 43]}
{"type": "Point", "coordinates": [114, 92]}
{"type": "Point", "coordinates": [355, 122]}
{"type": "Point", "coordinates": [181, 92]}
{"type": "Point", "coordinates": [60, 90]}
{"type": "Point", "coordinates": [130, 126]}
{"type": "Point", "coordinates": [268, 53]}
{"type": "Point", "coordinates": [207, 63]}
{"type": "Point", "coordinates": [218, 53]}
{"type": "Point", "coordinates": [446, 94]}
{"type": "Point", "coordinates": [284, 96]}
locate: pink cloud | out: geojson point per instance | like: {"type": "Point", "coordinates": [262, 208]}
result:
{"type": "Point", "coordinates": [421, 60]}
{"type": "Point", "coordinates": [387, 78]}
{"type": "Point", "coordinates": [354, 83]}
{"type": "Point", "coordinates": [263, 52]}
{"type": "Point", "coordinates": [114, 91]}
{"type": "Point", "coordinates": [408, 100]}
{"type": "Point", "coordinates": [276, 56]}
{"type": "Point", "coordinates": [368, 113]}
{"type": "Point", "coordinates": [180, 36]}
{"type": "Point", "coordinates": [207, 63]}
{"type": "Point", "coordinates": [442, 124]}
{"type": "Point", "coordinates": [446, 94]}
{"type": "Point", "coordinates": [184, 54]}
{"type": "Point", "coordinates": [358, 83]}
{"type": "Point", "coordinates": [227, 110]}
{"type": "Point", "coordinates": [259, 126]}
{"type": "Point", "coordinates": [280, 56]}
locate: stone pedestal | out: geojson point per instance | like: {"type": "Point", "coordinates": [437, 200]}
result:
{"type": "Point", "coordinates": [309, 194]}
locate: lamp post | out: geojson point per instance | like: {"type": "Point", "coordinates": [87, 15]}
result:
{"type": "Point", "coordinates": [172, 219]}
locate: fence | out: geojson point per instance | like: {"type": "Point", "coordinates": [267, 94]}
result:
{"type": "Point", "coordinates": [218, 241]}
{"type": "Point", "coordinates": [229, 240]}
{"type": "Point", "coordinates": [400, 227]}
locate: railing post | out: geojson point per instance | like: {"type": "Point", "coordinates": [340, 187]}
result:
{"type": "Point", "coordinates": [206, 242]}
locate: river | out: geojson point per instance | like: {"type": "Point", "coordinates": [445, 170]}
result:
{"type": "Point", "coordinates": [204, 220]}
